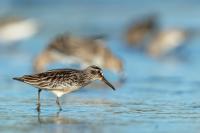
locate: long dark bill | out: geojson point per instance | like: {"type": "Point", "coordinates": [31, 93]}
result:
{"type": "Point", "coordinates": [108, 83]}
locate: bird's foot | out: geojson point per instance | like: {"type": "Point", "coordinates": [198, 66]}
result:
{"type": "Point", "coordinates": [60, 109]}
{"type": "Point", "coordinates": [38, 108]}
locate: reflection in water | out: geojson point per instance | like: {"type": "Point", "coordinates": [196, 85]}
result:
{"type": "Point", "coordinates": [61, 124]}
{"type": "Point", "coordinates": [57, 119]}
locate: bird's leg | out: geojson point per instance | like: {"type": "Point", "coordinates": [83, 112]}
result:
{"type": "Point", "coordinates": [39, 120]}
{"type": "Point", "coordinates": [38, 100]}
{"type": "Point", "coordinates": [58, 103]}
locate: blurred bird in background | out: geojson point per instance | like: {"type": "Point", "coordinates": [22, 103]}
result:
{"type": "Point", "coordinates": [77, 50]}
{"type": "Point", "coordinates": [166, 41]}
{"type": "Point", "coordinates": [16, 29]}
{"type": "Point", "coordinates": [137, 32]}
{"type": "Point", "coordinates": [156, 41]}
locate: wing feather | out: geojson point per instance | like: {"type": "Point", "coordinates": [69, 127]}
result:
{"type": "Point", "coordinates": [52, 80]}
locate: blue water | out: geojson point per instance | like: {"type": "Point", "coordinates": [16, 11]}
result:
{"type": "Point", "coordinates": [159, 96]}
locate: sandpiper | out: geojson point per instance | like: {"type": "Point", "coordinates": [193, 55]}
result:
{"type": "Point", "coordinates": [63, 81]}
{"type": "Point", "coordinates": [138, 31]}
{"type": "Point", "coordinates": [77, 50]}
{"type": "Point", "coordinates": [166, 41]}
{"type": "Point", "coordinates": [15, 29]}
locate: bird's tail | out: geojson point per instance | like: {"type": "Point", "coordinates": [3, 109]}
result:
{"type": "Point", "coordinates": [19, 79]}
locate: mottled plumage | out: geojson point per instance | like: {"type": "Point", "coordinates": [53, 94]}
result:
{"type": "Point", "coordinates": [63, 81]}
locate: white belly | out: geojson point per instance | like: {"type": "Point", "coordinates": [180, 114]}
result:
{"type": "Point", "coordinates": [60, 92]}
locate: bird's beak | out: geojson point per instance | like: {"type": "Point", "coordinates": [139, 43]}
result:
{"type": "Point", "coordinates": [108, 83]}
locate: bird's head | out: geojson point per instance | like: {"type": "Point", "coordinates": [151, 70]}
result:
{"type": "Point", "coordinates": [96, 74]}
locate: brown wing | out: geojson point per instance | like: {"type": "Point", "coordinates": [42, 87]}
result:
{"type": "Point", "coordinates": [53, 79]}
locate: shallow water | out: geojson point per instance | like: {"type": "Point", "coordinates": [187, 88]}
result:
{"type": "Point", "coordinates": [159, 96]}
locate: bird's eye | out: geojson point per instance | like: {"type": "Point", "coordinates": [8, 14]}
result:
{"type": "Point", "coordinates": [101, 72]}
{"type": "Point", "coordinates": [93, 72]}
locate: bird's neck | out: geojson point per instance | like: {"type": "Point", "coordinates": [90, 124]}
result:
{"type": "Point", "coordinates": [86, 78]}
